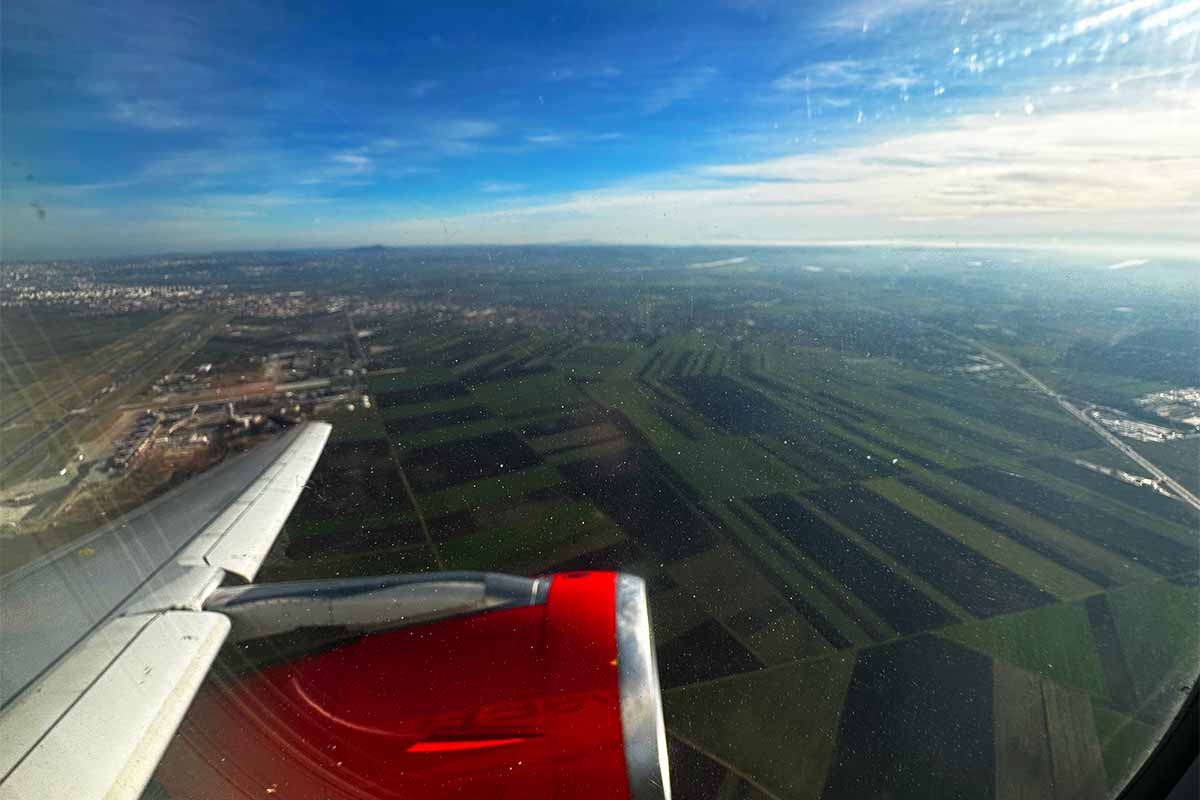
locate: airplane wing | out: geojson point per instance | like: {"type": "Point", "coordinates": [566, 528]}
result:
{"type": "Point", "coordinates": [104, 643]}
{"type": "Point", "coordinates": [436, 685]}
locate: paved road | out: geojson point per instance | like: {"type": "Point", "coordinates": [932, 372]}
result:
{"type": "Point", "coordinates": [1102, 431]}
{"type": "Point", "coordinates": [45, 433]}
{"type": "Point", "coordinates": [68, 389]}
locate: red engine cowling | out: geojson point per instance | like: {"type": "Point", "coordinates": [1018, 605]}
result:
{"type": "Point", "coordinates": [434, 687]}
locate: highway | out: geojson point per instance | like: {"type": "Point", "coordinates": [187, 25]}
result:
{"type": "Point", "coordinates": [39, 437]}
{"type": "Point", "coordinates": [1100, 430]}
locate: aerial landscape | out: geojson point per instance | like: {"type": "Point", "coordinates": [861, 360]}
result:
{"type": "Point", "coordinates": [908, 516]}
{"type": "Point", "coordinates": [865, 333]}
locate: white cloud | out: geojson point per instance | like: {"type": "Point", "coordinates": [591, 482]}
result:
{"type": "Point", "coordinates": [431, 139]}
{"type": "Point", "coordinates": [208, 162]}
{"type": "Point", "coordinates": [1119, 13]}
{"type": "Point", "coordinates": [1116, 172]}
{"type": "Point", "coordinates": [149, 114]}
{"type": "Point", "coordinates": [1122, 171]}
{"type": "Point", "coordinates": [568, 138]}
{"type": "Point", "coordinates": [74, 190]}
{"type": "Point", "coordinates": [822, 75]}
{"type": "Point", "coordinates": [501, 187]}
{"type": "Point", "coordinates": [903, 81]}
{"type": "Point", "coordinates": [678, 88]}
{"type": "Point", "coordinates": [228, 205]}
{"type": "Point", "coordinates": [864, 14]}
{"type": "Point", "coordinates": [1190, 28]}
{"type": "Point", "coordinates": [465, 128]}
{"type": "Point", "coordinates": [355, 162]}
{"type": "Point", "coordinates": [565, 73]}
{"type": "Point", "coordinates": [421, 89]}
{"type": "Point", "coordinates": [1094, 160]}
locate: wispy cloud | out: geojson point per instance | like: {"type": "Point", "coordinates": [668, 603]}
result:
{"type": "Point", "coordinates": [678, 88]}
{"type": "Point", "coordinates": [822, 75]}
{"type": "Point", "coordinates": [1117, 14]}
{"type": "Point", "coordinates": [865, 14]}
{"type": "Point", "coordinates": [566, 138]}
{"type": "Point", "coordinates": [574, 72]}
{"type": "Point", "coordinates": [432, 140]}
{"type": "Point", "coordinates": [847, 74]}
{"type": "Point", "coordinates": [422, 89]}
{"type": "Point", "coordinates": [152, 115]}
{"type": "Point", "coordinates": [902, 80]}
{"type": "Point", "coordinates": [501, 187]}
{"type": "Point", "coordinates": [1080, 161]}
{"type": "Point", "coordinates": [233, 205]}
{"type": "Point", "coordinates": [355, 162]}
{"type": "Point", "coordinates": [1048, 175]}
{"type": "Point", "coordinates": [462, 129]}
{"type": "Point", "coordinates": [78, 190]}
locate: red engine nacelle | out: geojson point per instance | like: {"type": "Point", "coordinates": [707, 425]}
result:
{"type": "Point", "coordinates": [514, 688]}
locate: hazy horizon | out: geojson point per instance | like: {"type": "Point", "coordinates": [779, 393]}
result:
{"type": "Point", "coordinates": [1101, 252]}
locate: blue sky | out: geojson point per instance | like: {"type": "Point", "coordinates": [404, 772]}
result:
{"type": "Point", "coordinates": [148, 126]}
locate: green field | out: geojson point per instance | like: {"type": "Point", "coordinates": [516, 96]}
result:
{"type": "Point", "coordinates": [874, 565]}
{"type": "Point", "coordinates": [772, 616]}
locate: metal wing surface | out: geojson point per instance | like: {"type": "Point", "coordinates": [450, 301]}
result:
{"type": "Point", "coordinates": [104, 643]}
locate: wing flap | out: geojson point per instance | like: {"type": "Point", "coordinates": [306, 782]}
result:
{"type": "Point", "coordinates": [51, 605]}
{"type": "Point", "coordinates": [105, 644]}
{"type": "Point", "coordinates": [111, 735]}
{"type": "Point", "coordinates": [238, 540]}
{"type": "Point", "coordinates": [35, 712]}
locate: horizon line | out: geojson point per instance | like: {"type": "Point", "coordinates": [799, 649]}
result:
{"type": "Point", "coordinates": [1175, 249]}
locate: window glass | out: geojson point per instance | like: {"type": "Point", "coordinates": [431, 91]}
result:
{"type": "Point", "coordinates": [866, 333]}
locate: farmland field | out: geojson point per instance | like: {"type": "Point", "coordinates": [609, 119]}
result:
{"type": "Point", "coordinates": [876, 557]}
{"type": "Point", "coordinates": [838, 522]}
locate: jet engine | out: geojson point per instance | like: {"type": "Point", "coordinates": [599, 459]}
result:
{"type": "Point", "coordinates": [440, 685]}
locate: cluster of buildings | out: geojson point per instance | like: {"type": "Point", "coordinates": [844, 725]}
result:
{"type": "Point", "coordinates": [187, 429]}
{"type": "Point", "coordinates": [980, 363]}
{"type": "Point", "coordinates": [86, 290]}
{"type": "Point", "coordinates": [180, 434]}
{"type": "Point", "coordinates": [273, 305]}
{"type": "Point", "coordinates": [180, 382]}
{"type": "Point", "coordinates": [95, 299]}
{"type": "Point", "coordinates": [1125, 477]}
{"type": "Point", "coordinates": [1134, 429]}
{"type": "Point", "coordinates": [1177, 405]}
{"type": "Point", "coordinates": [134, 443]}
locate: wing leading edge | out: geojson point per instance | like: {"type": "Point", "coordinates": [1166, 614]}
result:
{"type": "Point", "coordinates": [104, 643]}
